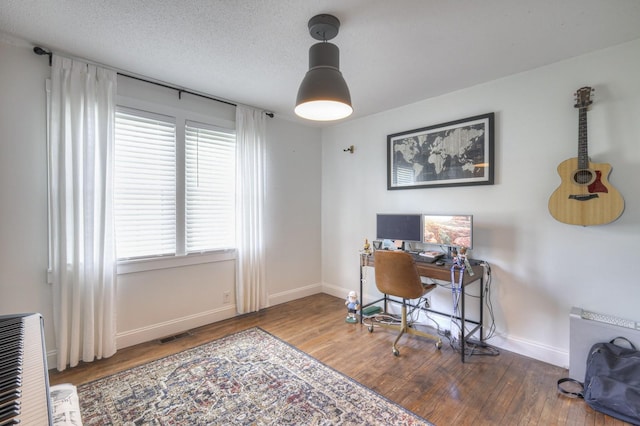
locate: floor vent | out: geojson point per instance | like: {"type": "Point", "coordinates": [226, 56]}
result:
{"type": "Point", "coordinates": [175, 337]}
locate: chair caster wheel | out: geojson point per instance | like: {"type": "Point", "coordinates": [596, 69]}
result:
{"type": "Point", "coordinates": [396, 352]}
{"type": "Point", "coordinates": [438, 345]}
{"type": "Point", "coordinates": [370, 328]}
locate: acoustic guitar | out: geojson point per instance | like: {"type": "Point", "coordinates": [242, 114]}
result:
{"type": "Point", "coordinates": [585, 196]}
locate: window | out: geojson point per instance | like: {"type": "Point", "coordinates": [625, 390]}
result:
{"type": "Point", "coordinates": [172, 197]}
{"type": "Point", "coordinates": [145, 184]}
{"type": "Point", "coordinates": [210, 187]}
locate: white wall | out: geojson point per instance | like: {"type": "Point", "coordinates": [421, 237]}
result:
{"type": "Point", "coordinates": [293, 211]}
{"type": "Point", "coordinates": [541, 267]}
{"type": "Point", "coordinates": [157, 302]}
{"type": "Point", "coordinates": [23, 190]}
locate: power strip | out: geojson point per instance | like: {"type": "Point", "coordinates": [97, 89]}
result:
{"type": "Point", "coordinates": [370, 310]}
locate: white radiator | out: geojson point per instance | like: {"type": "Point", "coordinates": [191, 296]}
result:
{"type": "Point", "coordinates": [587, 328]}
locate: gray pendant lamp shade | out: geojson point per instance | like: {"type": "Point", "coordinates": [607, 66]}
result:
{"type": "Point", "coordinates": [323, 94]}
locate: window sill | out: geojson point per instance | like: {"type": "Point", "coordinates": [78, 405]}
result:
{"type": "Point", "coordinates": [141, 265]}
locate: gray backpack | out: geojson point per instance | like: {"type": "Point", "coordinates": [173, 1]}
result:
{"type": "Point", "coordinates": [612, 381]}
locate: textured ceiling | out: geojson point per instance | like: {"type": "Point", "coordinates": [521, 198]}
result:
{"type": "Point", "coordinates": [255, 52]}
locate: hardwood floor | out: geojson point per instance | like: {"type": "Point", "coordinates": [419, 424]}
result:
{"type": "Point", "coordinates": [507, 389]}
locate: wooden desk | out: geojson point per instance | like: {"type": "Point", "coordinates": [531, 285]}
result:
{"type": "Point", "coordinates": [443, 273]}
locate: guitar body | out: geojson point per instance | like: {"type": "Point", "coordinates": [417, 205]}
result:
{"type": "Point", "coordinates": [585, 196]}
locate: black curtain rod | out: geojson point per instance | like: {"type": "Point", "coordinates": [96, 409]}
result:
{"type": "Point", "coordinates": [40, 51]}
{"type": "Point", "coordinates": [179, 90]}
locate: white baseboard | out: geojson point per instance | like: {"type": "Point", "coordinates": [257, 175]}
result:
{"type": "Point", "coordinates": [179, 325]}
{"type": "Point", "coordinates": [160, 330]}
{"type": "Point", "coordinates": [517, 345]}
{"type": "Point", "coordinates": [124, 339]}
{"type": "Point", "coordinates": [298, 293]}
{"type": "Point", "coordinates": [531, 349]}
{"type": "Point", "coordinates": [337, 291]}
{"type": "Point", "coordinates": [52, 359]}
{"type": "Point", "coordinates": [175, 326]}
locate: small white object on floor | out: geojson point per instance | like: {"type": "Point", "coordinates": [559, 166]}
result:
{"type": "Point", "coordinates": [65, 405]}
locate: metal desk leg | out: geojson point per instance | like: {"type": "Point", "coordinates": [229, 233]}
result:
{"type": "Point", "coordinates": [463, 338]}
{"type": "Point", "coordinates": [360, 295]}
{"type": "Point", "coordinates": [480, 327]}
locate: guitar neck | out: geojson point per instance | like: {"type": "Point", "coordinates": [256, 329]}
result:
{"type": "Point", "coordinates": [585, 196]}
{"type": "Point", "coordinates": [583, 154]}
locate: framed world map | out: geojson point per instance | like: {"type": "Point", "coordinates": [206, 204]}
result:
{"type": "Point", "coordinates": [456, 153]}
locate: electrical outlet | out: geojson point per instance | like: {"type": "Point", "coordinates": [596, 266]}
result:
{"type": "Point", "coordinates": [226, 297]}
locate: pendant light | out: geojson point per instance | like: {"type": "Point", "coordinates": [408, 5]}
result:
{"type": "Point", "coordinates": [323, 94]}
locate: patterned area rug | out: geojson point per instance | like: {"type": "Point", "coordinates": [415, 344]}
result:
{"type": "Point", "coordinates": [247, 378]}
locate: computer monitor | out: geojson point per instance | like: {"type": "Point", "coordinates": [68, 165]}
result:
{"type": "Point", "coordinates": [399, 227]}
{"type": "Point", "coordinates": [451, 231]}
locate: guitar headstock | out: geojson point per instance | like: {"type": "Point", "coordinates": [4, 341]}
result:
{"type": "Point", "coordinates": [583, 97]}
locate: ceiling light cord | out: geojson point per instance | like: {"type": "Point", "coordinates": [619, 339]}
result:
{"type": "Point", "coordinates": [41, 52]}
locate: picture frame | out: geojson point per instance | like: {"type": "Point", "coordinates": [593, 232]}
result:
{"type": "Point", "coordinates": [456, 153]}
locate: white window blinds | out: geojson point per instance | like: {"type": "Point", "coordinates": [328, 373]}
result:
{"type": "Point", "coordinates": [210, 154]}
{"type": "Point", "coordinates": [144, 184]}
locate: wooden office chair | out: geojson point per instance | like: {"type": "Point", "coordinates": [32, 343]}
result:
{"type": "Point", "coordinates": [396, 275]}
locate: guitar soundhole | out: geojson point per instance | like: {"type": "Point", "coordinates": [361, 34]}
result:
{"type": "Point", "coordinates": [583, 177]}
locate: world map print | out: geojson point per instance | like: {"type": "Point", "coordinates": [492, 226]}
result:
{"type": "Point", "coordinates": [452, 155]}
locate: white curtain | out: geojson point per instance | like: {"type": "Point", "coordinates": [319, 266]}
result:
{"type": "Point", "coordinates": [81, 146]}
{"type": "Point", "coordinates": [250, 181]}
